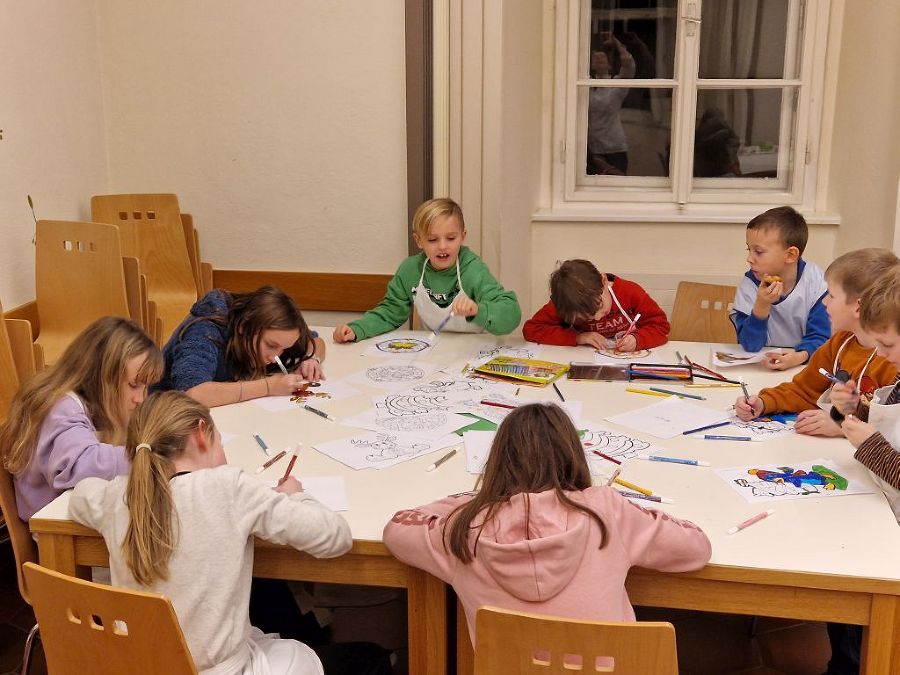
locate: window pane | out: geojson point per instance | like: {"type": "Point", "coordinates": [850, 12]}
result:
{"type": "Point", "coordinates": [627, 140]}
{"type": "Point", "coordinates": [630, 38]}
{"type": "Point", "coordinates": [740, 40]}
{"type": "Point", "coordinates": [738, 134]}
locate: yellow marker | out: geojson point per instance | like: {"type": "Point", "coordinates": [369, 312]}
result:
{"type": "Point", "coordinates": [632, 486]}
{"type": "Point", "coordinates": [646, 391]}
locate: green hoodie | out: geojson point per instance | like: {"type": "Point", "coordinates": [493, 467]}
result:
{"type": "Point", "coordinates": [498, 310]}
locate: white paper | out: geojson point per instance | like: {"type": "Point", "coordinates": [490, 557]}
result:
{"type": "Point", "coordinates": [612, 356]}
{"type": "Point", "coordinates": [756, 430]}
{"type": "Point", "coordinates": [669, 418]}
{"type": "Point", "coordinates": [488, 351]}
{"type": "Point", "coordinates": [394, 375]}
{"type": "Point", "coordinates": [748, 483]}
{"type": "Point", "coordinates": [378, 450]}
{"type": "Point", "coordinates": [330, 490]}
{"type": "Point", "coordinates": [616, 444]}
{"type": "Point", "coordinates": [478, 447]}
{"type": "Point", "coordinates": [726, 356]}
{"type": "Point", "coordinates": [399, 345]}
{"type": "Point", "coordinates": [327, 390]}
{"type": "Point", "coordinates": [430, 425]}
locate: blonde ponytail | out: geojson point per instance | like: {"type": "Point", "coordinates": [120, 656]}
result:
{"type": "Point", "coordinates": [158, 434]}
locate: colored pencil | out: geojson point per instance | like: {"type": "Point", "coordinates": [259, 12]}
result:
{"type": "Point", "coordinates": [677, 393]}
{"type": "Point", "coordinates": [607, 457]}
{"type": "Point", "coordinates": [645, 391]}
{"type": "Point", "coordinates": [271, 461]}
{"type": "Point", "coordinates": [708, 426]}
{"type": "Point", "coordinates": [627, 332]}
{"type": "Point", "coordinates": [714, 437]}
{"type": "Point", "coordinates": [290, 466]}
{"type": "Point", "coordinates": [435, 464]}
{"type": "Point", "coordinates": [747, 523]}
{"type": "Point", "coordinates": [746, 393]}
{"type": "Point", "coordinates": [559, 393]}
{"type": "Point", "coordinates": [498, 405]}
{"type": "Point", "coordinates": [632, 486]}
{"type": "Point", "coordinates": [710, 385]}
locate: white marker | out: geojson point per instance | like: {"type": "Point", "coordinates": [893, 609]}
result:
{"type": "Point", "coordinates": [280, 365]}
{"type": "Point", "coordinates": [438, 462]}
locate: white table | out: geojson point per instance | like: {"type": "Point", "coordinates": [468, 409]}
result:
{"type": "Point", "coordinates": [829, 559]}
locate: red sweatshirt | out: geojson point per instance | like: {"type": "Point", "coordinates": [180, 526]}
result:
{"type": "Point", "coordinates": [652, 330]}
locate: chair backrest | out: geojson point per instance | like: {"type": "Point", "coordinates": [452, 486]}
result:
{"type": "Point", "coordinates": [93, 628]}
{"type": "Point", "coordinates": [24, 548]}
{"type": "Point", "coordinates": [78, 279]}
{"type": "Point", "coordinates": [701, 313]}
{"type": "Point", "coordinates": [152, 231]}
{"type": "Point", "coordinates": [9, 377]}
{"type": "Point", "coordinates": [520, 643]}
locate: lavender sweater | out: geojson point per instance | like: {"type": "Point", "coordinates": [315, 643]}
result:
{"type": "Point", "coordinates": [67, 450]}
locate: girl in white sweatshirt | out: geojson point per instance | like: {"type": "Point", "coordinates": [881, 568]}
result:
{"type": "Point", "coordinates": [182, 524]}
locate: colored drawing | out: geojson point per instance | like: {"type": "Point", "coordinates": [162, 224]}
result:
{"type": "Point", "coordinates": [613, 354]}
{"type": "Point", "coordinates": [818, 478]}
{"type": "Point", "coordinates": [402, 346]}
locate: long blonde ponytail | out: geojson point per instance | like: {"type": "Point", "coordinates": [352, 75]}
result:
{"type": "Point", "coordinates": [158, 434]}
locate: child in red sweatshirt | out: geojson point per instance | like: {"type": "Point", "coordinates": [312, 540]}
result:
{"type": "Point", "coordinates": [537, 536]}
{"type": "Point", "coordinates": [590, 308]}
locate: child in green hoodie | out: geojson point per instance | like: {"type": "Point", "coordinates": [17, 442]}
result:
{"type": "Point", "coordinates": [448, 284]}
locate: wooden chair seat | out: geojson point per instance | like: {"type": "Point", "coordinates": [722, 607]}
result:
{"type": "Point", "coordinates": [701, 313]}
{"type": "Point", "coordinates": [519, 643]}
{"type": "Point", "coordinates": [78, 279]}
{"type": "Point", "coordinates": [92, 628]}
{"type": "Point", "coordinates": [152, 231]}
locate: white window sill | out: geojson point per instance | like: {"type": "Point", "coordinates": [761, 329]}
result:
{"type": "Point", "coordinates": [667, 214]}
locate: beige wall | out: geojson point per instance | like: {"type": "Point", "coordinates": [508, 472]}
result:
{"type": "Point", "coordinates": [865, 157]}
{"type": "Point", "coordinates": [54, 145]}
{"type": "Point", "coordinates": [280, 125]}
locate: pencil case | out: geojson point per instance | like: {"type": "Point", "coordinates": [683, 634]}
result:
{"type": "Point", "coordinates": [631, 372]}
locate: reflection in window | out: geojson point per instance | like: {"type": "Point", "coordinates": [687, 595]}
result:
{"type": "Point", "coordinates": [741, 40]}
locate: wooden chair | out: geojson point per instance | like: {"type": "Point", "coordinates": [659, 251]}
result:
{"type": "Point", "coordinates": [93, 628]}
{"type": "Point", "coordinates": [151, 230]}
{"type": "Point", "coordinates": [9, 374]}
{"type": "Point", "coordinates": [78, 279]}
{"type": "Point", "coordinates": [24, 550]}
{"type": "Point", "coordinates": [517, 643]}
{"type": "Point", "coordinates": [701, 313]}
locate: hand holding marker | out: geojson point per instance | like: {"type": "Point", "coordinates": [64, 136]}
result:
{"type": "Point", "coordinates": [836, 378]}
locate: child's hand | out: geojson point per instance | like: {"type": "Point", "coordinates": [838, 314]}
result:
{"type": "Point", "coordinates": [784, 360]}
{"type": "Point", "coordinates": [843, 397]}
{"type": "Point", "coordinates": [817, 422]}
{"type": "Point", "coordinates": [289, 486]}
{"type": "Point", "coordinates": [463, 306]}
{"type": "Point", "coordinates": [343, 333]}
{"type": "Point", "coordinates": [768, 293]}
{"type": "Point", "coordinates": [594, 340]}
{"type": "Point", "coordinates": [284, 385]}
{"type": "Point", "coordinates": [627, 344]}
{"type": "Point", "coordinates": [856, 431]}
{"type": "Point", "coordinates": [311, 369]}
{"type": "Point", "coordinates": [748, 408]}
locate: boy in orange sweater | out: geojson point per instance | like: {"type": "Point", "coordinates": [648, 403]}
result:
{"type": "Point", "coordinates": [849, 350]}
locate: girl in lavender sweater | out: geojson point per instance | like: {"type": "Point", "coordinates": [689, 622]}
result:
{"type": "Point", "coordinates": [68, 422]}
{"type": "Point", "coordinates": [538, 537]}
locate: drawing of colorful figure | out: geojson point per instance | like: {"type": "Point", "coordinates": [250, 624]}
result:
{"type": "Point", "coordinates": [402, 346]}
{"type": "Point", "coordinates": [304, 394]}
{"type": "Point", "coordinates": [761, 488]}
{"type": "Point", "coordinates": [820, 475]}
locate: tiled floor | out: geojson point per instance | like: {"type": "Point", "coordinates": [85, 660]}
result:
{"type": "Point", "coordinates": [708, 644]}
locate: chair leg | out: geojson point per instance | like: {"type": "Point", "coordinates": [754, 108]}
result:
{"type": "Point", "coordinates": [29, 649]}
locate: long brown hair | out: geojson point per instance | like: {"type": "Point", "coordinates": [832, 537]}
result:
{"type": "Point", "coordinates": [248, 315]}
{"type": "Point", "coordinates": [158, 433]}
{"type": "Point", "coordinates": [536, 449]}
{"type": "Point", "coordinates": [94, 367]}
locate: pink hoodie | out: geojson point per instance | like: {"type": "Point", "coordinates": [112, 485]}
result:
{"type": "Point", "coordinates": [555, 566]}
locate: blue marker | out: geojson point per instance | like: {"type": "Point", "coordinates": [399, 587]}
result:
{"type": "Point", "coordinates": [262, 443]}
{"type": "Point", "coordinates": [674, 460]}
{"type": "Point", "coordinates": [708, 426]}
{"type": "Point", "coordinates": [712, 437]}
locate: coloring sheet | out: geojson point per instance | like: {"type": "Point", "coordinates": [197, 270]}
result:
{"type": "Point", "coordinates": [488, 351]}
{"type": "Point", "coordinates": [430, 425]}
{"type": "Point", "coordinates": [669, 418]}
{"type": "Point", "coordinates": [756, 430]}
{"type": "Point", "coordinates": [611, 355]}
{"type": "Point", "coordinates": [478, 446]}
{"type": "Point", "coordinates": [380, 450]}
{"type": "Point", "coordinates": [725, 356]}
{"type": "Point", "coordinates": [316, 392]}
{"type": "Point", "coordinates": [615, 444]}
{"type": "Point", "coordinates": [768, 483]}
{"type": "Point", "coordinates": [402, 345]}
{"type": "Point", "coordinates": [394, 376]}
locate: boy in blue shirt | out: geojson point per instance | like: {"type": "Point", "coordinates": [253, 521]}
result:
{"type": "Point", "coordinates": [779, 301]}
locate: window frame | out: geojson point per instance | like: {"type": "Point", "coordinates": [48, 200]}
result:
{"type": "Point", "coordinates": [684, 192]}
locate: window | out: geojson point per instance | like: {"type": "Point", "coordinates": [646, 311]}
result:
{"type": "Point", "coordinates": [687, 101]}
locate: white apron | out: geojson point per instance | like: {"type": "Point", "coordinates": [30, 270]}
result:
{"type": "Point", "coordinates": [431, 315]}
{"type": "Point", "coordinates": [824, 401]}
{"type": "Point", "coordinates": [267, 654]}
{"type": "Point", "coordinates": [886, 418]}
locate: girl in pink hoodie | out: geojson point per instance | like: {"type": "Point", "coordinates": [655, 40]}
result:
{"type": "Point", "coordinates": [538, 537]}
